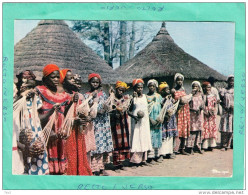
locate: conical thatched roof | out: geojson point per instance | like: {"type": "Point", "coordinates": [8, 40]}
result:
{"type": "Point", "coordinates": [163, 57]}
{"type": "Point", "coordinates": [52, 42]}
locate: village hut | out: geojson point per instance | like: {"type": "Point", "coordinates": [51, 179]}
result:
{"type": "Point", "coordinates": [162, 59]}
{"type": "Point", "coordinates": [53, 42]}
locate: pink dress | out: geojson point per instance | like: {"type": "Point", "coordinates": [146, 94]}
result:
{"type": "Point", "coordinates": [209, 125]}
{"type": "Point", "coordinates": [196, 119]}
{"type": "Point", "coordinates": [89, 131]}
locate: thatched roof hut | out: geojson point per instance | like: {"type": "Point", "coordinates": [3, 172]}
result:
{"type": "Point", "coordinates": [52, 41]}
{"type": "Point", "coordinates": [163, 58]}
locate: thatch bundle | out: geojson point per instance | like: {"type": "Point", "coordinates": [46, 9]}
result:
{"type": "Point", "coordinates": [52, 42]}
{"type": "Point", "coordinates": [164, 58]}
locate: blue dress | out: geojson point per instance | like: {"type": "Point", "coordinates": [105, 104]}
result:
{"type": "Point", "coordinates": [169, 128]}
{"type": "Point", "coordinates": [156, 131]}
{"type": "Point", "coordinates": [35, 165]}
{"type": "Point", "coordinates": [102, 128]}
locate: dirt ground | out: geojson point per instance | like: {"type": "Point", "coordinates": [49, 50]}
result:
{"type": "Point", "coordinates": [210, 164]}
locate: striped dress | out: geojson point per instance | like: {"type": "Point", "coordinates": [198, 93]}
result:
{"type": "Point", "coordinates": [120, 131]}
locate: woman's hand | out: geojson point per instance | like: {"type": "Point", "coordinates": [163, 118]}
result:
{"type": "Point", "coordinates": [211, 112]}
{"type": "Point", "coordinates": [56, 107]}
{"type": "Point", "coordinates": [53, 136]}
{"type": "Point", "coordinates": [111, 90]}
{"type": "Point", "coordinates": [136, 118]}
{"type": "Point", "coordinates": [20, 146]}
{"type": "Point", "coordinates": [83, 121]}
{"type": "Point", "coordinates": [75, 97]}
{"type": "Point", "coordinates": [169, 112]}
{"type": "Point", "coordinates": [62, 135]}
{"type": "Point", "coordinates": [153, 122]}
{"type": "Point", "coordinates": [30, 95]}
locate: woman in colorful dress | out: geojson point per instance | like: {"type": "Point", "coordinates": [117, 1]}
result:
{"type": "Point", "coordinates": [140, 132]}
{"type": "Point", "coordinates": [53, 101]}
{"type": "Point", "coordinates": [29, 139]}
{"type": "Point", "coordinates": [75, 145]}
{"type": "Point", "coordinates": [102, 131]}
{"type": "Point", "coordinates": [17, 148]}
{"type": "Point", "coordinates": [154, 104]}
{"type": "Point", "coordinates": [209, 135]}
{"type": "Point", "coordinates": [120, 126]}
{"type": "Point", "coordinates": [196, 118]}
{"type": "Point", "coordinates": [226, 123]}
{"type": "Point", "coordinates": [169, 126]}
{"type": "Point", "coordinates": [34, 163]}
{"type": "Point", "coordinates": [183, 114]}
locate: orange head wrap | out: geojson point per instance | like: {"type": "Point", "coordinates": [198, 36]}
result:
{"type": "Point", "coordinates": [205, 83]}
{"type": "Point", "coordinates": [136, 81]}
{"type": "Point", "coordinates": [121, 84]}
{"type": "Point", "coordinates": [94, 75]}
{"type": "Point", "coordinates": [48, 69]}
{"type": "Point", "coordinates": [63, 74]}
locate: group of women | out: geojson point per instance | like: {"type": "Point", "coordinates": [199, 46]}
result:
{"type": "Point", "coordinates": [59, 131]}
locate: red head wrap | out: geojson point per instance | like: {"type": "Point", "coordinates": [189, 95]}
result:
{"type": "Point", "coordinates": [205, 83]}
{"type": "Point", "coordinates": [48, 69]}
{"type": "Point", "coordinates": [136, 81]}
{"type": "Point", "coordinates": [63, 74]}
{"type": "Point", "coordinates": [94, 75]}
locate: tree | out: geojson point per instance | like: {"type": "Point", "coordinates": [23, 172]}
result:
{"type": "Point", "coordinates": [123, 43]}
{"type": "Point", "coordinates": [132, 41]}
{"type": "Point", "coordinates": [110, 39]}
{"type": "Point", "coordinates": [97, 31]}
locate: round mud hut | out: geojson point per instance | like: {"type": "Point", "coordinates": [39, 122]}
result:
{"type": "Point", "coordinates": [53, 42]}
{"type": "Point", "coordinates": [162, 59]}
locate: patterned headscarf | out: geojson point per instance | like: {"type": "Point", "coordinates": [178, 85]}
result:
{"type": "Point", "coordinates": [63, 74]}
{"type": "Point", "coordinates": [94, 75]}
{"type": "Point", "coordinates": [136, 81]}
{"type": "Point", "coordinates": [50, 68]}
{"type": "Point", "coordinates": [197, 83]}
{"type": "Point", "coordinates": [178, 75]}
{"type": "Point", "coordinates": [153, 81]}
{"type": "Point", "coordinates": [162, 86]}
{"type": "Point", "coordinates": [121, 84]}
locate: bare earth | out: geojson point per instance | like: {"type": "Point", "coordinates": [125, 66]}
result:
{"type": "Point", "coordinates": [210, 164]}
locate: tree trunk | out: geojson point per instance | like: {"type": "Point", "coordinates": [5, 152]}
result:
{"type": "Point", "coordinates": [123, 43]}
{"type": "Point", "coordinates": [106, 43]}
{"type": "Point", "coordinates": [132, 42]}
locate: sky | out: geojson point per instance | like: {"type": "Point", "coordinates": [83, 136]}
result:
{"type": "Point", "coordinates": [210, 42]}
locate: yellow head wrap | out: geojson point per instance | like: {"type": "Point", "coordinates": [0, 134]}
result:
{"type": "Point", "coordinates": [121, 84]}
{"type": "Point", "coordinates": [162, 86]}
